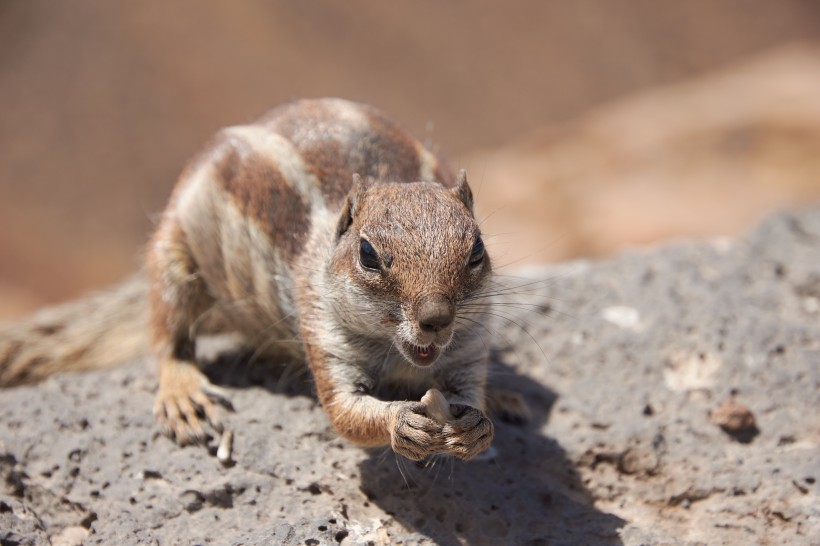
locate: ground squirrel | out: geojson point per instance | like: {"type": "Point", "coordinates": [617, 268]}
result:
{"type": "Point", "coordinates": [321, 233]}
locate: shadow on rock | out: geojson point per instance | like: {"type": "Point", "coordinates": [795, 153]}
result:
{"type": "Point", "coordinates": [228, 363]}
{"type": "Point", "coordinates": [527, 493]}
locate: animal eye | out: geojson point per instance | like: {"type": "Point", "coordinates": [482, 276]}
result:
{"type": "Point", "coordinates": [477, 253]}
{"type": "Point", "coordinates": [368, 256]}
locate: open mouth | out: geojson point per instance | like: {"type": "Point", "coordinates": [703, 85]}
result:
{"type": "Point", "coordinates": [421, 356]}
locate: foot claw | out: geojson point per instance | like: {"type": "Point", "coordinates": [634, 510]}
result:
{"type": "Point", "coordinates": [469, 435]}
{"type": "Point", "coordinates": [206, 407]}
{"type": "Point", "coordinates": [182, 403]}
{"type": "Point", "coordinates": [217, 395]}
{"type": "Point", "coordinates": [414, 435]}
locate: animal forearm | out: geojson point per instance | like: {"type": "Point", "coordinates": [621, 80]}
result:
{"type": "Point", "coordinates": [362, 419]}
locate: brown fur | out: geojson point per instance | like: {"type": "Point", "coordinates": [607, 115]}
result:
{"type": "Point", "coordinates": [265, 231]}
{"type": "Point", "coordinates": [376, 148]}
{"type": "Point", "coordinates": [261, 192]}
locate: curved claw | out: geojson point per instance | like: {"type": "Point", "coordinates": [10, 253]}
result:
{"type": "Point", "coordinates": [415, 435]}
{"type": "Point", "coordinates": [470, 434]}
{"type": "Point", "coordinates": [183, 401]}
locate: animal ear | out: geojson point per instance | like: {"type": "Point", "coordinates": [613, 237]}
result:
{"type": "Point", "coordinates": [351, 204]}
{"type": "Point", "coordinates": [462, 190]}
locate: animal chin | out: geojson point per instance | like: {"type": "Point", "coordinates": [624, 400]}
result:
{"type": "Point", "coordinates": [421, 356]}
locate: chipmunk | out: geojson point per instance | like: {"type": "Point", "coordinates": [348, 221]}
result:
{"type": "Point", "coordinates": [323, 234]}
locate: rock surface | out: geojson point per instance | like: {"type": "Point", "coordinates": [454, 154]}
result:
{"type": "Point", "coordinates": [622, 361]}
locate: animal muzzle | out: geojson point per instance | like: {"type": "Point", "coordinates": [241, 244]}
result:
{"type": "Point", "coordinates": [435, 314]}
{"type": "Point", "coordinates": [434, 318]}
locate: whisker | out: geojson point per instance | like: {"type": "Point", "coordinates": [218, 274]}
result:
{"type": "Point", "coordinates": [509, 288]}
{"type": "Point", "coordinates": [494, 333]}
{"type": "Point", "coordinates": [493, 213]}
{"type": "Point", "coordinates": [532, 254]}
{"type": "Point", "coordinates": [399, 465]}
{"type": "Point", "coordinates": [522, 328]}
{"type": "Point", "coordinates": [540, 309]}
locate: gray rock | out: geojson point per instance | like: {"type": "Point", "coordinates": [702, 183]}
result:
{"type": "Point", "coordinates": [621, 360]}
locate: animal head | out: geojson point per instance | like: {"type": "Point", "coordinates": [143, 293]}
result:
{"type": "Point", "coordinates": [411, 255]}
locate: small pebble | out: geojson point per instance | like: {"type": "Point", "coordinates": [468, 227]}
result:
{"type": "Point", "coordinates": [732, 416]}
{"type": "Point", "coordinates": [224, 452]}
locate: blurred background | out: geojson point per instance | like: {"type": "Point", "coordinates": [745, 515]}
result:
{"type": "Point", "coordinates": [585, 126]}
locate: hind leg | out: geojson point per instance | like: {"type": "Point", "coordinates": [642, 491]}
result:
{"type": "Point", "coordinates": [507, 405]}
{"type": "Point", "coordinates": [178, 298]}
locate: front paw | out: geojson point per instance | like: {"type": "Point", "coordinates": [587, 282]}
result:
{"type": "Point", "coordinates": [182, 400]}
{"type": "Point", "coordinates": [414, 435]}
{"type": "Point", "coordinates": [468, 434]}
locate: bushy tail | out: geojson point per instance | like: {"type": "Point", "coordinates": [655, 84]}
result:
{"type": "Point", "coordinates": [100, 331]}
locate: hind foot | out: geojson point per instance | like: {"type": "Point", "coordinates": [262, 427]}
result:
{"type": "Point", "coordinates": [508, 406]}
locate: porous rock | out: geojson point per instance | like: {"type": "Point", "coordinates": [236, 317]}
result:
{"type": "Point", "coordinates": [620, 450]}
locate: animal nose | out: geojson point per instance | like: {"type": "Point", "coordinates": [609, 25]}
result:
{"type": "Point", "coordinates": [435, 313]}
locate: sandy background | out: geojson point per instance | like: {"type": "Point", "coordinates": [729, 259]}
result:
{"type": "Point", "coordinates": [586, 126]}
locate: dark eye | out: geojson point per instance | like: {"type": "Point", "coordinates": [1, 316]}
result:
{"type": "Point", "coordinates": [368, 256]}
{"type": "Point", "coordinates": [477, 253]}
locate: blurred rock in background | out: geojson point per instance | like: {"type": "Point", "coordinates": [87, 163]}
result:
{"type": "Point", "coordinates": [706, 157]}
{"type": "Point", "coordinates": [593, 124]}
